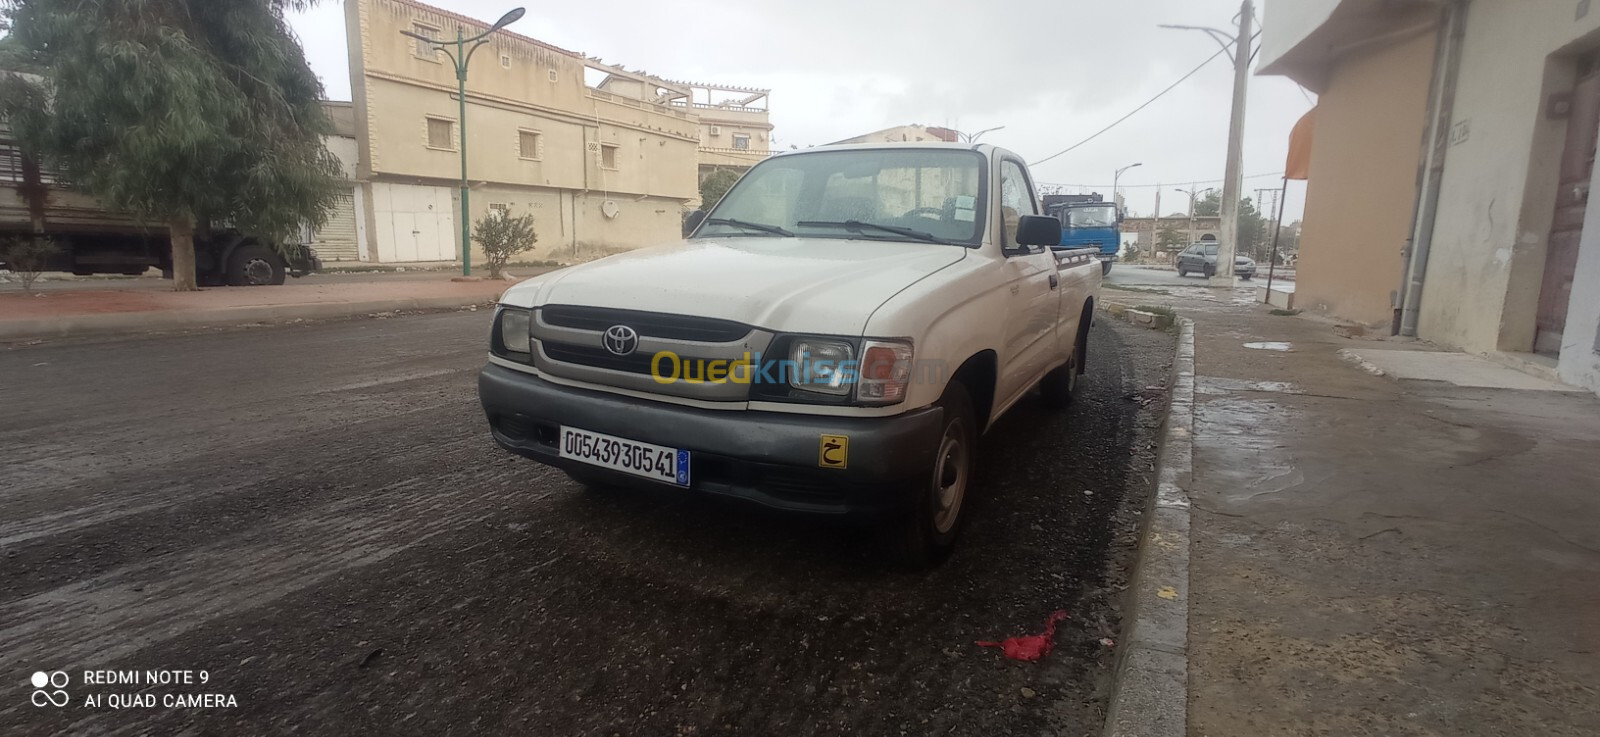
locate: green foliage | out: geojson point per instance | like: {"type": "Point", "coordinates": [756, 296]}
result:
{"type": "Point", "coordinates": [26, 257]}
{"type": "Point", "coordinates": [1169, 239]}
{"type": "Point", "coordinates": [1255, 231]}
{"type": "Point", "coordinates": [502, 237]}
{"type": "Point", "coordinates": [175, 111]}
{"type": "Point", "coordinates": [715, 185]}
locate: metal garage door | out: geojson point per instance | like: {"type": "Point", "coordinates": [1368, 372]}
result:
{"type": "Point", "coordinates": [415, 222]}
{"type": "Point", "coordinates": [336, 241]}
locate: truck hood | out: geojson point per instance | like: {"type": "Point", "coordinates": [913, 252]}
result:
{"type": "Point", "coordinates": [802, 285]}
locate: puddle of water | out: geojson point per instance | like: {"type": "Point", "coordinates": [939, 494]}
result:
{"type": "Point", "coordinates": [1269, 346]}
{"type": "Point", "coordinates": [1217, 386]}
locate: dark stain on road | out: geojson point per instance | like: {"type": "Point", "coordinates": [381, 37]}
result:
{"type": "Point", "coordinates": [338, 543]}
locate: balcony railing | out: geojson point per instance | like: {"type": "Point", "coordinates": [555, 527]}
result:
{"type": "Point", "coordinates": [736, 151]}
{"type": "Point", "coordinates": [706, 106]}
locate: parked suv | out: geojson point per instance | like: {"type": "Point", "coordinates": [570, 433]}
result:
{"type": "Point", "coordinates": [1201, 258]}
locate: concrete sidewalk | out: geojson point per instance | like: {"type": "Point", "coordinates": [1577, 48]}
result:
{"type": "Point", "coordinates": [1373, 556]}
{"type": "Point", "coordinates": [118, 308]}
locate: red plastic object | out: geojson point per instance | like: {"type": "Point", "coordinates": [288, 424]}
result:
{"type": "Point", "coordinates": [1030, 648]}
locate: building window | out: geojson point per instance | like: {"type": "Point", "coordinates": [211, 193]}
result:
{"type": "Point", "coordinates": [505, 61]}
{"type": "Point", "coordinates": [422, 49]}
{"type": "Point", "coordinates": [608, 156]}
{"type": "Point", "coordinates": [499, 209]}
{"type": "Point", "coordinates": [441, 133]}
{"type": "Point", "coordinates": [529, 144]}
{"type": "Point", "coordinates": [551, 73]}
{"type": "Point", "coordinates": [741, 141]}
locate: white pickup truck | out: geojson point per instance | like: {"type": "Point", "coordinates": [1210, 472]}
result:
{"type": "Point", "coordinates": [831, 338]}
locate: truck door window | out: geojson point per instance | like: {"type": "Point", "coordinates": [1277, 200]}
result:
{"type": "Point", "coordinates": [1016, 199]}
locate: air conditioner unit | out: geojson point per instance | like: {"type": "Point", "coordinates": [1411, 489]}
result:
{"type": "Point", "coordinates": [716, 130]}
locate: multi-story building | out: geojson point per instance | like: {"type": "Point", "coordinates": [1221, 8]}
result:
{"type": "Point", "coordinates": [602, 166]}
{"type": "Point", "coordinates": [1188, 230]}
{"type": "Point", "coordinates": [1451, 170]}
{"type": "Point", "coordinates": [901, 133]}
{"type": "Point", "coordinates": [735, 130]}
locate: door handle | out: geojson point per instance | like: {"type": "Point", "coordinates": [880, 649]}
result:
{"type": "Point", "coordinates": [1055, 281]}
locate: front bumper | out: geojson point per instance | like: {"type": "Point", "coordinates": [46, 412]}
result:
{"type": "Point", "coordinates": [770, 458]}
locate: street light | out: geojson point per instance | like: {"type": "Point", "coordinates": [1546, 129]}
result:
{"type": "Point", "coordinates": [1233, 178]}
{"type": "Point", "coordinates": [1117, 176]}
{"type": "Point", "coordinates": [973, 137]}
{"type": "Point", "coordinates": [461, 58]}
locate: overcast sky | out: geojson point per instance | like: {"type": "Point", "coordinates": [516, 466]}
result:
{"type": "Point", "coordinates": [1051, 71]}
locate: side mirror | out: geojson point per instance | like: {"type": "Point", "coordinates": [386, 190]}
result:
{"type": "Point", "coordinates": [1038, 230]}
{"type": "Point", "coordinates": [692, 221]}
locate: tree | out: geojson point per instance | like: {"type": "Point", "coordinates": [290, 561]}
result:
{"type": "Point", "coordinates": [502, 237]}
{"type": "Point", "coordinates": [1169, 239]}
{"type": "Point", "coordinates": [715, 185]}
{"type": "Point", "coordinates": [182, 113]}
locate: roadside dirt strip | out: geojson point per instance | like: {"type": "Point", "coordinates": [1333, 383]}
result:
{"type": "Point", "coordinates": [1150, 697]}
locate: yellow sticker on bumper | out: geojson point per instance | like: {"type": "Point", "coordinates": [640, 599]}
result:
{"type": "Point", "coordinates": [834, 451]}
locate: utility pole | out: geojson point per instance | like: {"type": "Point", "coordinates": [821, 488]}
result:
{"type": "Point", "coordinates": [1233, 180]}
{"type": "Point", "coordinates": [1234, 176]}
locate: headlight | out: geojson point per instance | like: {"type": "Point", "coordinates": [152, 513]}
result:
{"type": "Point", "coordinates": [822, 366]}
{"type": "Point", "coordinates": [513, 323]}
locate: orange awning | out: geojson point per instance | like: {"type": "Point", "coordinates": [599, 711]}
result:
{"type": "Point", "coordinates": [1299, 164]}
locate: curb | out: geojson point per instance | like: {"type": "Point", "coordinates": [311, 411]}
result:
{"type": "Point", "coordinates": [1150, 688]}
{"type": "Point", "coordinates": [139, 322]}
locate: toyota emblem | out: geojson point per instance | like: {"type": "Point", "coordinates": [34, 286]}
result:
{"type": "Point", "coordinates": [621, 340]}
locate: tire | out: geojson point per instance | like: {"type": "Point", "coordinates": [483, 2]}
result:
{"type": "Point", "coordinates": [923, 534]}
{"type": "Point", "coordinates": [1208, 272]}
{"type": "Point", "coordinates": [1060, 387]}
{"type": "Point", "coordinates": [254, 265]}
{"type": "Point", "coordinates": [1182, 272]}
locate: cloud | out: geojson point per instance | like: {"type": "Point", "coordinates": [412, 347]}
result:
{"type": "Point", "coordinates": [1051, 71]}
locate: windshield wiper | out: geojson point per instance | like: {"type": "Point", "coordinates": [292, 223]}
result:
{"type": "Point", "coordinates": [773, 229]}
{"type": "Point", "coordinates": [858, 225]}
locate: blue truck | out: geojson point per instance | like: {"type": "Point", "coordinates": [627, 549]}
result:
{"type": "Point", "coordinates": [1088, 222]}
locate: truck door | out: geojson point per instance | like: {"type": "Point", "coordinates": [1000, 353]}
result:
{"type": "Point", "coordinates": [1033, 287]}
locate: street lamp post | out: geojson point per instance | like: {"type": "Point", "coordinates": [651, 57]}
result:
{"type": "Point", "coordinates": [1233, 178]}
{"type": "Point", "coordinates": [1117, 176]}
{"type": "Point", "coordinates": [461, 58]}
{"type": "Point", "coordinates": [973, 137]}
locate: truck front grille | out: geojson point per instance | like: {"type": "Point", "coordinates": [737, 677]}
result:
{"type": "Point", "coordinates": [648, 324]}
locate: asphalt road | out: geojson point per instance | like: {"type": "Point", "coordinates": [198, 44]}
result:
{"type": "Point", "coordinates": [315, 516]}
{"type": "Point", "coordinates": [1157, 276]}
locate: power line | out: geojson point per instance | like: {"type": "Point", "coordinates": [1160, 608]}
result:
{"type": "Point", "coordinates": [1152, 186]}
{"type": "Point", "coordinates": [1147, 103]}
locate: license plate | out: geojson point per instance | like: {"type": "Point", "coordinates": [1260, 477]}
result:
{"type": "Point", "coordinates": [655, 462]}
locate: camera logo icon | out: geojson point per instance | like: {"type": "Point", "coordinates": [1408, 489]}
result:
{"type": "Point", "coordinates": [48, 688]}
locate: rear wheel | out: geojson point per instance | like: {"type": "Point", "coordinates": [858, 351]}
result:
{"type": "Point", "coordinates": [1060, 386]}
{"type": "Point", "coordinates": [1208, 272]}
{"type": "Point", "coordinates": [254, 265]}
{"type": "Point", "coordinates": [924, 534]}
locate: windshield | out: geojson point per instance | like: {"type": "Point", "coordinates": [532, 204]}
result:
{"type": "Point", "coordinates": [935, 192]}
{"type": "Point", "coordinates": [1102, 216]}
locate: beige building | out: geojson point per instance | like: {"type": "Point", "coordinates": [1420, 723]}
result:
{"type": "Point", "coordinates": [735, 130]}
{"type": "Point", "coordinates": [605, 159]}
{"type": "Point", "coordinates": [1189, 230]}
{"type": "Point", "coordinates": [902, 133]}
{"type": "Point", "coordinates": [344, 236]}
{"type": "Point", "coordinates": [1451, 167]}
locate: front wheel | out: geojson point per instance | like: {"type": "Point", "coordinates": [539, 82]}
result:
{"type": "Point", "coordinates": [925, 532]}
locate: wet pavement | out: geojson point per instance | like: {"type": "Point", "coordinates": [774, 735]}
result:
{"type": "Point", "coordinates": [315, 517]}
{"type": "Point", "coordinates": [1381, 557]}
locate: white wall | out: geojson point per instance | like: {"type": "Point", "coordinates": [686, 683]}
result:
{"type": "Point", "coordinates": [1285, 23]}
{"type": "Point", "coordinates": [1498, 188]}
{"type": "Point", "coordinates": [1580, 363]}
